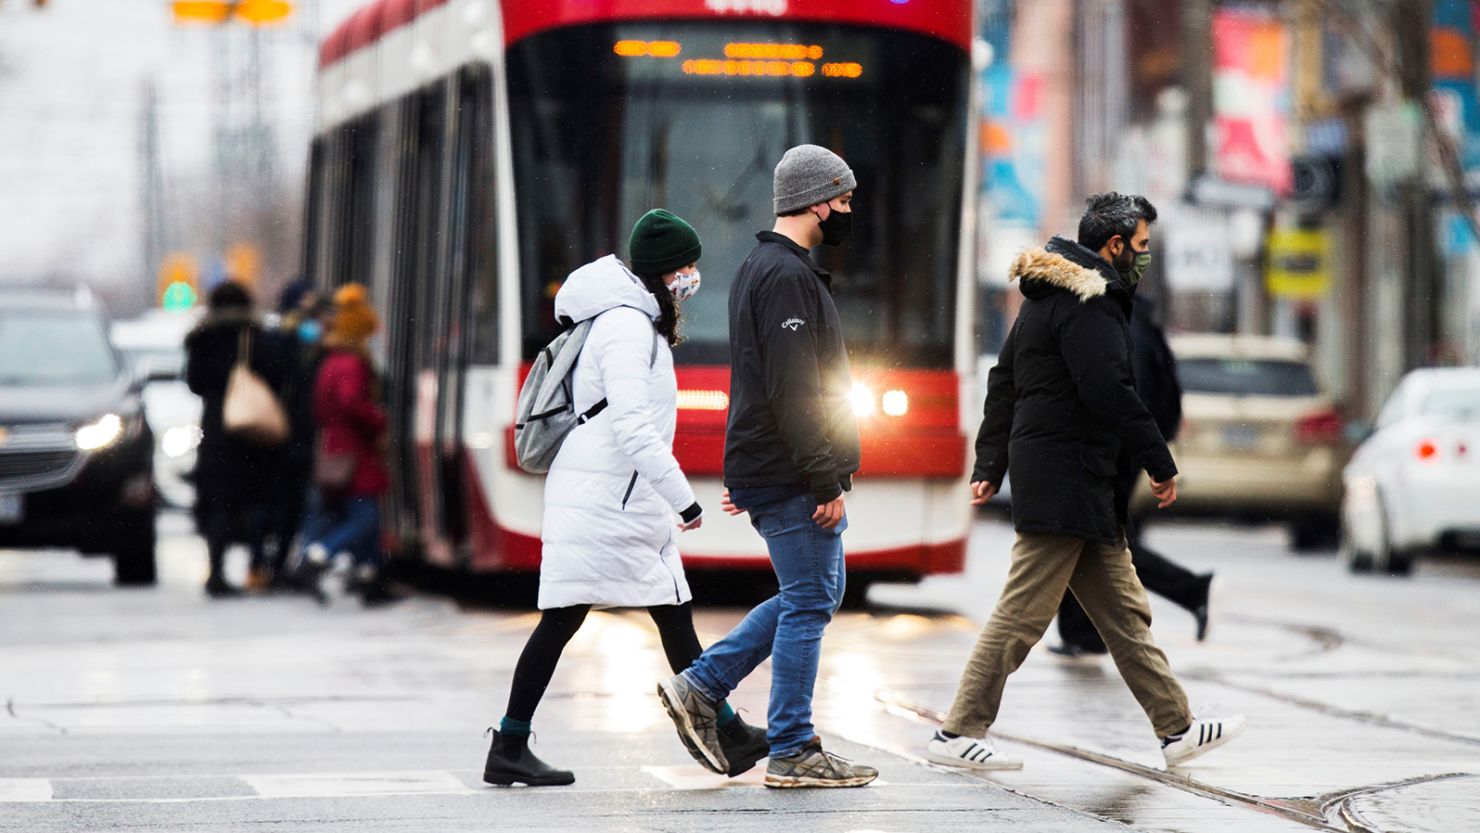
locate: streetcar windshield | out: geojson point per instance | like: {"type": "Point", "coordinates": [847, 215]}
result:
{"type": "Point", "coordinates": [613, 119]}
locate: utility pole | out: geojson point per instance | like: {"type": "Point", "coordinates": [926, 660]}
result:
{"type": "Point", "coordinates": [151, 190]}
{"type": "Point", "coordinates": [1197, 75]}
{"type": "Point", "coordinates": [1411, 21]}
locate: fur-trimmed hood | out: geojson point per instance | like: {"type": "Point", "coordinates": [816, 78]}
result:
{"type": "Point", "coordinates": [1063, 264]}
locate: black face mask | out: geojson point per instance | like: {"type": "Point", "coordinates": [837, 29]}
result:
{"type": "Point", "coordinates": [836, 228]}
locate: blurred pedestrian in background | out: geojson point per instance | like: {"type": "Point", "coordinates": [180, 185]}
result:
{"type": "Point", "coordinates": [1062, 412]}
{"type": "Point", "coordinates": [349, 470]}
{"type": "Point", "coordinates": [598, 551]}
{"type": "Point", "coordinates": [231, 504]}
{"type": "Point", "coordinates": [304, 317]}
{"type": "Point", "coordinates": [1157, 385]}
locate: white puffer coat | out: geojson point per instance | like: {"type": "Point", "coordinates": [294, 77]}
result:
{"type": "Point", "coordinates": [614, 490]}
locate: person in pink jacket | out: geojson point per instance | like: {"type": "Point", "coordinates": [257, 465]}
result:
{"type": "Point", "coordinates": [351, 424]}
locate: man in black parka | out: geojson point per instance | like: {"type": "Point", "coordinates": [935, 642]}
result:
{"type": "Point", "coordinates": [1062, 415]}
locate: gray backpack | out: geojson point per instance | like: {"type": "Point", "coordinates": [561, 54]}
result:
{"type": "Point", "coordinates": [547, 410]}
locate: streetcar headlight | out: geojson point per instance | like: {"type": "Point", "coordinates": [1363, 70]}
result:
{"type": "Point", "coordinates": [896, 403]}
{"type": "Point", "coordinates": [100, 434]}
{"type": "Point", "coordinates": [863, 401]}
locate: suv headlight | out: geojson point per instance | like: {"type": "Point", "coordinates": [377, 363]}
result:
{"type": "Point", "coordinates": [103, 432]}
{"type": "Point", "coordinates": [180, 440]}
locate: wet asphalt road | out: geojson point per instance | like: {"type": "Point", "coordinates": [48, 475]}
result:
{"type": "Point", "coordinates": [159, 710]}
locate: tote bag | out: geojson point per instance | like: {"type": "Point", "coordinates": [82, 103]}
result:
{"type": "Point", "coordinates": [251, 411]}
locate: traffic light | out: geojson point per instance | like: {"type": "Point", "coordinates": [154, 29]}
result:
{"type": "Point", "coordinates": [179, 282]}
{"type": "Point", "coordinates": [178, 297]}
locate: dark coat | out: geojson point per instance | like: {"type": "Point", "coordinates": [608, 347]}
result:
{"type": "Point", "coordinates": [1062, 415]}
{"type": "Point", "coordinates": [304, 359]}
{"type": "Point", "coordinates": [791, 420]}
{"type": "Point", "coordinates": [231, 474]}
{"type": "Point", "coordinates": [1155, 368]}
{"type": "Point", "coordinates": [350, 419]}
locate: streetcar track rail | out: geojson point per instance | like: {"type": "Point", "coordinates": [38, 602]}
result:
{"type": "Point", "coordinates": [898, 704]}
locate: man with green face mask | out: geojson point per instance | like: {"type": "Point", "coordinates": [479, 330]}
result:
{"type": "Point", "coordinates": [1063, 416]}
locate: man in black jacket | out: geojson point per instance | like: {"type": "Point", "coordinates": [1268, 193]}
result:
{"type": "Point", "coordinates": [791, 448]}
{"type": "Point", "coordinates": [1156, 383]}
{"type": "Point", "coordinates": [1063, 415]}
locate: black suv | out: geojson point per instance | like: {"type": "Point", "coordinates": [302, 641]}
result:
{"type": "Point", "coordinates": [76, 457]}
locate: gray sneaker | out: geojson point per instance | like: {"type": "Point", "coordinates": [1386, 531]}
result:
{"type": "Point", "coordinates": [696, 718]}
{"type": "Point", "coordinates": [811, 766]}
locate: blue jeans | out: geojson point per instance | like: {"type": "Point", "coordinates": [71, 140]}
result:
{"type": "Point", "coordinates": [787, 627]}
{"type": "Point", "coordinates": [352, 525]}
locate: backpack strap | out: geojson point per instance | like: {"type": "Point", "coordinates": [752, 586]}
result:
{"type": "Point", "coordinates": [591, 412]}
{"type": "Point", "coordinates": [595, 410]}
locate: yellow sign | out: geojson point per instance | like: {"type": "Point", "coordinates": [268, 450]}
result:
{"type": "Point", "coordinates": [255, 12]}
{"type": "Point", "coordinates": [1298, 264]}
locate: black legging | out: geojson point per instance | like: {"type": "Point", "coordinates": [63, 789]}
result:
{"type": "Point", "coordinates": [557, 626]}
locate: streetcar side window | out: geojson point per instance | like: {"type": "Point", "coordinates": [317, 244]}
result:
{"type": "Point", "coordinates": [313, 227]}
{"type": "Point", "coordinates": [482, 243]}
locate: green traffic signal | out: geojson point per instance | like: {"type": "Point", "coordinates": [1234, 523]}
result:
{"type": "Point", "coordinates": [178, 296]}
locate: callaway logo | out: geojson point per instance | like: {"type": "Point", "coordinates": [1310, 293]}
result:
{"type": "Point", "coordinates": [793, 324]}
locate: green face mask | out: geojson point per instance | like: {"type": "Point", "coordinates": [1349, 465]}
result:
{"type": "Point", "coordinates": [1137, 270]}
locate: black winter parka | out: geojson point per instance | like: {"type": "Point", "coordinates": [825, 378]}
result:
{"type": "Point", "coordinates": [791, 420]}
{"type": "Point", "coordinates": [1062, 415]}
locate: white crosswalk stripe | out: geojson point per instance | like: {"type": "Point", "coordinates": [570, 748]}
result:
{"type": "Point", "coordinates": [336, 784]}
{"type": "Point", "coordinates": [24, 789]}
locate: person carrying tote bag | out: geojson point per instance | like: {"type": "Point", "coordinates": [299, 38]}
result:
{"type": "Point", "coordinates": [229, 358]}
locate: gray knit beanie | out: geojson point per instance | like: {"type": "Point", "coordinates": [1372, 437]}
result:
{"type": "Point", "coordinates": [808, 175]}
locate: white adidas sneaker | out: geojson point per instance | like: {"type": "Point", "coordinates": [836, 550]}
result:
{"type": "Point", "coordinates": [1203, 736]}
{"type": "Point", "coordinates": [968, 753]}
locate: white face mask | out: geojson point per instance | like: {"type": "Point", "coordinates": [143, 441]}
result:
{"type": "Point", "coordinates": [684, 286]}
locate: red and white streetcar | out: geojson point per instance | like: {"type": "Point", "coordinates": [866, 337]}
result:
{"type": "Point", "coordinates": [470, 154]}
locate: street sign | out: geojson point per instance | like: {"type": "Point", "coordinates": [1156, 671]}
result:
{"type": "Point", "coordinates": [1299, 264]}
{"type": "Point", "coordinates": [1207, 190]}
{"type": "Point", "coordinates": [1394, 138]}
{"type": "Point", "coordinates": [1199, 249]}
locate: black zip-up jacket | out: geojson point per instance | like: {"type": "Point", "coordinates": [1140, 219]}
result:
{"type": "Point", "coordinates": [791, 421]}
{"type": "Point", "coordinates": [1062, 414]}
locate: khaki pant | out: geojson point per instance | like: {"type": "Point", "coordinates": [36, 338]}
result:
{"type": "Point", "coordinates": [1105, 583]}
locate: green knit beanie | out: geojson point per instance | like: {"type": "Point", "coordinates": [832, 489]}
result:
{"type": "Point", "coordinates": [661, 243]}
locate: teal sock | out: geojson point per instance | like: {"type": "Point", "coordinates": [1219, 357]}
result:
{"type": "Point", "coordinates": [510, 726]}
{"type": "Point", "coordinates": [726, 714]}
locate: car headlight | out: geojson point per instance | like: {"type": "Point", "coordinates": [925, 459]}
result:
{"type": "Point", "coordinates": [100, 434]}
{"type": "Point", "coordinates": [180, 440]}
{"type": "Point", "coordinates": [863, 400]}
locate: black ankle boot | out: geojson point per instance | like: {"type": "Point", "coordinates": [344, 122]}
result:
{"type": "Point", "coordinates": [744, 745]}
{"type": "Point", "coordinates": [510, 762]}
{"type": "Point", "coordinates": [1200, 611]}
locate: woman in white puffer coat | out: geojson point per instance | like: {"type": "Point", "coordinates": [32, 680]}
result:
{"type": "Point", "coordinates": [615, 496]}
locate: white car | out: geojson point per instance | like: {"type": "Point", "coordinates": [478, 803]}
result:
{"type": "Point", "coordinates": [154, 344]}
{"type": "Point", "coordinates": [1414, 485]}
